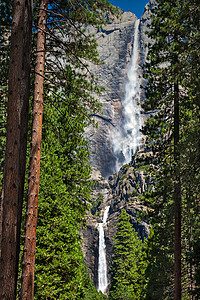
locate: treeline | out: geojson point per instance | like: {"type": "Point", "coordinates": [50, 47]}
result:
{"type": "Point", "coordinates": [46, 103]}
{"type": "Point", "coordinates": [171, 257]}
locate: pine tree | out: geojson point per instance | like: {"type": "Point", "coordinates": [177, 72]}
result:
{"type": "Point", "coordinates": [64, 199]}
{"type": "Point", "coordinates": [16, 142]}
{"type": "Point", "coordinates": [128, 267]}
{"type": "Point", "coordinates": [78, 47]}
{"type": "Point", "coordinates": [66, 37]}
{"type": "Point", "coordinates": [171, 98]}
{"type": "Point", "coordinates": [28, 264]}
{"type": "Point", "coordinates": [5, 25]}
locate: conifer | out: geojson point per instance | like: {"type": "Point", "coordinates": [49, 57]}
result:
{"type": "Point", "coordinates": [128, 266]}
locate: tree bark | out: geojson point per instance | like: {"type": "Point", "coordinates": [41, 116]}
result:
{"type": "Point", "coordinates": [177, 199]}
{"type": "Point", "coordinates": [28, 264]}
{"type": "Point", "coordinates": [16, 143]}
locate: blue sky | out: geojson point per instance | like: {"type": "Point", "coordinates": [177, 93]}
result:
{"type": "Point", "coordinates": [135, 6]}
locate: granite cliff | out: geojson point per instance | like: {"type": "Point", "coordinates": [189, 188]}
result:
{"type": "Point", "coordinates": [117, 189]}
{"type": "Point", "coordinates": [115, 47]}
{"type": "Point", "coordinates": [120, 190]}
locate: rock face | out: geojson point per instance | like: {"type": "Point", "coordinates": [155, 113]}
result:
{"type": "Point", "coordinates": [122, 189]}
{"type": "Point", "coordinates": [101, 197]}
{"type": "Point", "coordinates": [115, 46]}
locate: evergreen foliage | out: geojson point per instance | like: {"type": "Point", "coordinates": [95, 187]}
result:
{"type": "Point", "coordinates": [172, 74]}
{"type": "Point", "coordinates": [128, 264]}
{"type": "Point", "coordinates": [65, 185]}
{"type": "Point", "coordinates": [64, 194]}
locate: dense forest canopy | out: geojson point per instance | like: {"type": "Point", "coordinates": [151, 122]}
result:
{"type": "Point", "coordinates": [48, 68]}
{"type": "Point", "coordinates": [172, 73]}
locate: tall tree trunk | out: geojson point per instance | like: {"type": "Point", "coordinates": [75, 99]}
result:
{"type": "Point", "coordinates": [28, 264]}
{"type": "Point", "coordinates": [177, 199]}
{"type": "Point", "coordinates": [16, 142]}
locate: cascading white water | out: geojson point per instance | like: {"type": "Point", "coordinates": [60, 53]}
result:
{"type": "Point", "coordinates": [127, 137]}
{"type": "Point", "coordinates": [102, 265]}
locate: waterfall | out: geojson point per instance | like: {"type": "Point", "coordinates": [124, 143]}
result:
{"type": "Point", "coordinates": [102, 265]}
{"type": "Point", "coordinates": [127, 137]}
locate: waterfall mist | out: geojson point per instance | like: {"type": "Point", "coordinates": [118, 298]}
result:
{"type": "Point", "coordinates": [127, 136]}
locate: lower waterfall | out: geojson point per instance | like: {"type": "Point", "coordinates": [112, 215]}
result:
{"type": "Point", "coordinates": [102, 264]}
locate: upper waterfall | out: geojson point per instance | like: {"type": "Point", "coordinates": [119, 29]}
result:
{"type": "Point", "coordinates": [127, 136]}
{"type": "Point", "coordinates": [121, 47]}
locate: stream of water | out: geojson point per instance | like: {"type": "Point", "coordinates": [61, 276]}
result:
{"type": "Point", "coordinates": [127, 137]}
{"type": "Point", "coordinates": [102, 265]}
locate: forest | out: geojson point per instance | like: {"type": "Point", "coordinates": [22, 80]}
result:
{"type": "Point", "coordinates": [48, 97]}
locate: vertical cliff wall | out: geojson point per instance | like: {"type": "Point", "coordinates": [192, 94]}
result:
{"type": "Point", "coordinates": [122, 189]}
{"type": "Point", "coordinates": [115, 46]}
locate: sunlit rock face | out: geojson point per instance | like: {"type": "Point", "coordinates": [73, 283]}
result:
{"type": "Point", "coordinates": [120, 189]}
{"type": "Point", "coordinates": [115, 48]}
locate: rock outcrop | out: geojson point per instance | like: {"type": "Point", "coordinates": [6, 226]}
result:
{"type": "Point", "coordinates": [101, 197]}
{"type": "Point", "coordinates": [121, 190]}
